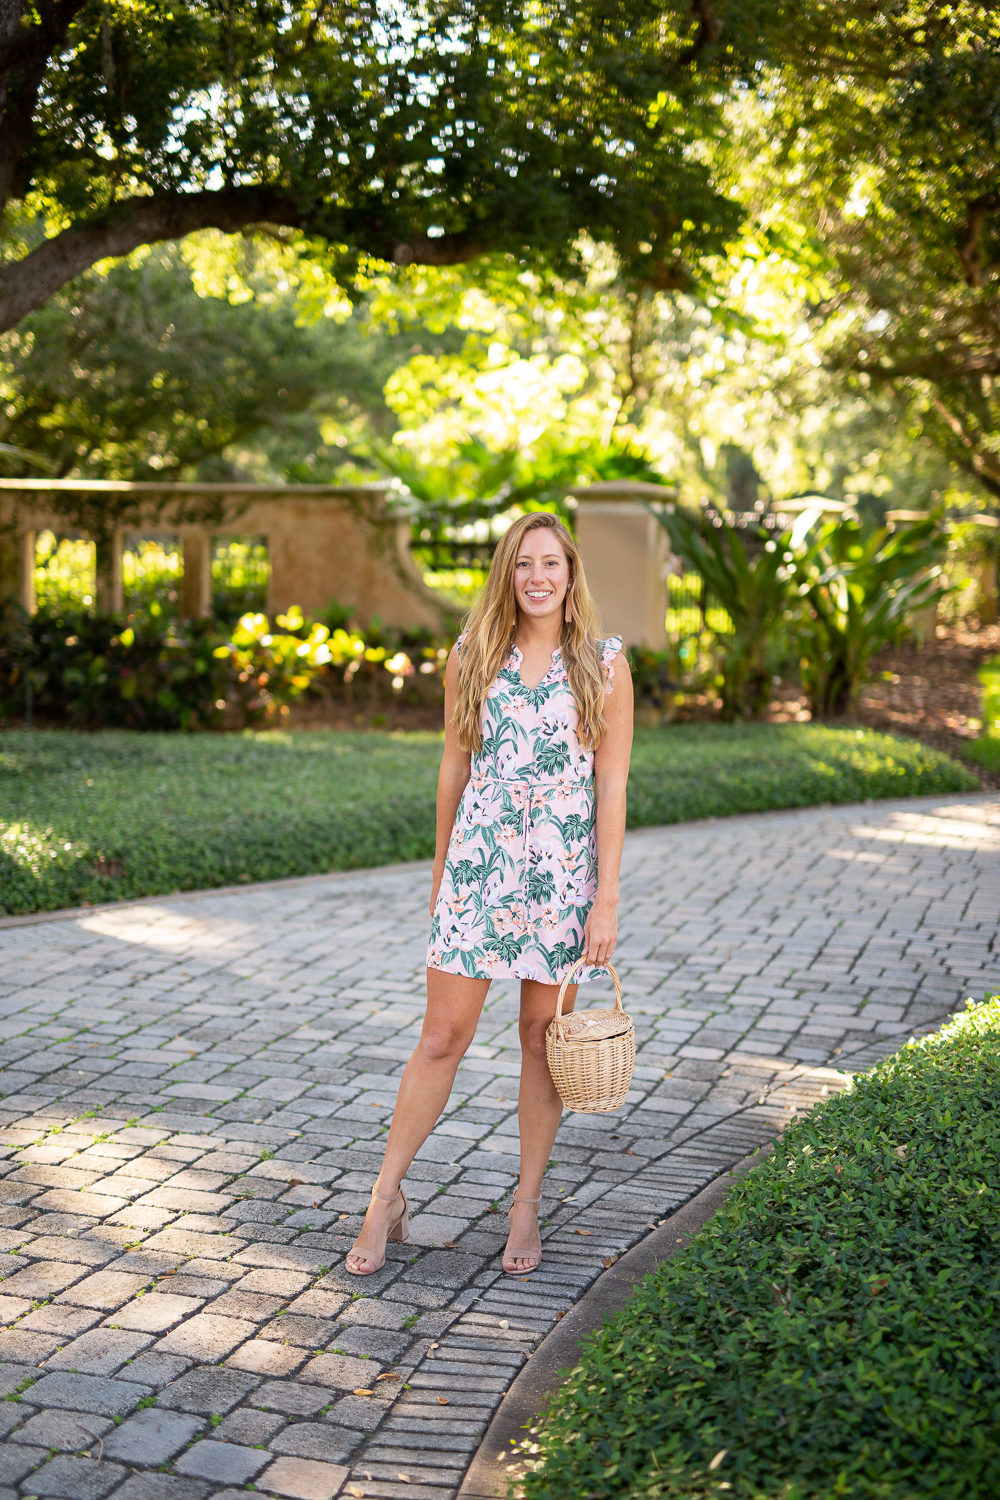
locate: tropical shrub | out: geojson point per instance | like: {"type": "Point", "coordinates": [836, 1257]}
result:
{"type": "Point", "coordinates": [268, 669]}
{"type": "Point", "coordinates": [653, 681]}
{"type": "Point", "coordinates": [753, 586]}
{"type": "Point", "coordinates": [144, 671]}
{"type": "Point", "coordinates": [857, 589]}
{"type": "Point", "coordinates": [89, 670]}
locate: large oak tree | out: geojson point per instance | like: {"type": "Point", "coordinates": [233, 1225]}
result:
{"type": "Point", "coordinates": [885, 125]}
{"type": "Point", "coordinates": [423, 131]}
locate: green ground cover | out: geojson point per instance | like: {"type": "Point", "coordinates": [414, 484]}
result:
{"type": "Point", "coordinates": [834, 1331]}
{"type": "Point", "coordinates": [986, 750]}
{"type": "Point", "coordinates": [98, 817]}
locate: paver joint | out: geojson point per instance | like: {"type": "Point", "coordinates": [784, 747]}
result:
{"type": "Point", "coordinates": [194, 1095]}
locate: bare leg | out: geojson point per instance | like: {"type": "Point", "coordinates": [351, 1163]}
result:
{"type": "Point", "coordinates": [454, 1003]}
{"type": "Point", "coordinates": [539, 1110]}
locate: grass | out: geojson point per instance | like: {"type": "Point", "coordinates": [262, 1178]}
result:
{"type": "Point", "coordinates": [986, 750]}
{"type": "Point", "coordinates": [835, 1330]}
{"type": "Point", "coordinates": [712, 770]}
{"type": "Point", "coordinates": [116, 814]}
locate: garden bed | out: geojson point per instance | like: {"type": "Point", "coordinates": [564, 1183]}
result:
{"type": "Point", "coordinates": [115, 814]}
{"type": "Point", "coordinates": [834, 1330]}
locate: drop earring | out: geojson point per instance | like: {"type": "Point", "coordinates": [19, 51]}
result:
{"type": "Point", "coordinates": [569, 610]}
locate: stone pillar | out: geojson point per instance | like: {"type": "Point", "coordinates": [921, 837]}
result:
{"type": "Point", "coordinates": [196, 583]}
{"type": "Point", "coordinates": [26, 570]}
{"type": "Point", "coordinates": [110, 595]}
{"type": "Point", "coordinates": [626, 556]}
{"type": "Point", "coordinates": [986, 573]}
{"type": "Point", "coordinates": [985, 569]}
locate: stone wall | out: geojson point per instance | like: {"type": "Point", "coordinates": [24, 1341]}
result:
{"type": "Point", "coordinates": [324, 542]}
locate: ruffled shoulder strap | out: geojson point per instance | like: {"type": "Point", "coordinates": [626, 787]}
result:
{"type": "Point", "coordinates": [609, 650]}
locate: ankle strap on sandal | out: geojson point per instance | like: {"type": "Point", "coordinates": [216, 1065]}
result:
{"type": "Point", "coordinates": [525, 1200]}
{"type": "Point", "coordinates": [386, 1197]}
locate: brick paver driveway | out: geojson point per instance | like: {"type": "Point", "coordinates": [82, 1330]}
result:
{"type": "Point", "coordinates": [196, 1092]}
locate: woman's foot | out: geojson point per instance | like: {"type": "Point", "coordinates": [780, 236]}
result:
{"type": "Point", "coordinates": [524, 1243]}
{"type": "Point", "coordinates": [385, 1220]}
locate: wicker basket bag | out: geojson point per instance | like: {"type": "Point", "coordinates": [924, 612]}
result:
{"type": "Point", "coordinates": [590, 1053]}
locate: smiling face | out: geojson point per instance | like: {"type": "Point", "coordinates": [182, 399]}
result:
{"type": "Point", "coordinates": [541, 574]}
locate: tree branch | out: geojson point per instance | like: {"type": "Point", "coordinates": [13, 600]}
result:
{"type": "Point", "coordinates": [27, 283]}
{"type": "Point", "coordinates": [932, 367]}
{"type": "Point", "coordinates": [709, 31]}
{"type": "Point", "coordinates": [985, 465]}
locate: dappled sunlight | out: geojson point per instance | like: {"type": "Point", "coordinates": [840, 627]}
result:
{"type": "Point", "coordinates": [950, 827]}
{"type": "Point", "coordinates": [170, 929]}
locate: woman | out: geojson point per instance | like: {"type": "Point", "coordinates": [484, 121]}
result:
{"type": "Point", "coordinates": [538, 716]}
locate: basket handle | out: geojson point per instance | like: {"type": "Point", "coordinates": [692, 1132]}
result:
{"type": "Point", "coordinates": [569, 979]}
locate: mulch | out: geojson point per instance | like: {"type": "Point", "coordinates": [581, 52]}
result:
{"type": "Point", "coordinates": [930, 692]}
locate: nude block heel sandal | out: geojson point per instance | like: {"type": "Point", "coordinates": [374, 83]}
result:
{"type": "Point", "coordinates": [399, 1232]}
{"type": "Point", "coordinates": [535, 1255]}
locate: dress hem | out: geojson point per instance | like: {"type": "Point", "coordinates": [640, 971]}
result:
{"type": "Point", "coordinates": [511, 974]}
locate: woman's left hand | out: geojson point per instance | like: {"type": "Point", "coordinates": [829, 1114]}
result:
{"type": "Point", "coordinates": [600, 935]}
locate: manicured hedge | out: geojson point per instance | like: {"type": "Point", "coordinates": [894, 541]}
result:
{"type": "Point", "coordinates": [834, 1331]}
{"type": "Point", "coordinates": [97, 817]}
{"type": "Point", "coordinates": [115, 814]}
{"type": "Point", "coordinates": [708, 770]}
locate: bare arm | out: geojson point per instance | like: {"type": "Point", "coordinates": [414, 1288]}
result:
{"type": "Point", "coordinates": [456, 765]}
{"type": "Point", "coordinates": [610, 780]}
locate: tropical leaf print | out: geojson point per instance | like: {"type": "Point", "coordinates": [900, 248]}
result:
{"type": "Point", "coordinates": [507, 948]}
{"type": "Point", "coordinates": [540, 885]}
{"type": "Point", "coordinates": [551, 757]}
{"type": "Point", "coordinates": [563, 957]}
{"type": "Point", "coordinates": [574, 826]}
{"type": "Point", "coordinates": [524, 838]}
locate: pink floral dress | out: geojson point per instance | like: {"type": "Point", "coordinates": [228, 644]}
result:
{"type": "Point", "coordinates": [521, 871]}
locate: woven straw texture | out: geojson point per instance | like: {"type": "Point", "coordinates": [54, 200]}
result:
{"type": "Point", "coordinates": [591, 1053]}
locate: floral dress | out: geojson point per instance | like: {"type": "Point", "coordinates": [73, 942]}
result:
{"type": "Point", "coordinates": [521, 872]}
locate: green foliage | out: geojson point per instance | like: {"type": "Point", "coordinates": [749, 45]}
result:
{"type": "Point", "coordinates": [833, 1330]}
{"type": "Point", "coordinates": [753, 590]}
{"type": "Point", "coordinates": [134, 372]}
{"type": "Point", "coordinates": [241, 570]}
{"type": "Point", "coordinates": [530, 126]}
{"type": "Point", "coordinates": [883, 132]}
{"type": "Point", "coordinates": [152, 570]}
{"type": "Point", "coordinates": [652, 680]}
{"type": "Point", "coordinates": [859, 588]}
{"type": "Point", "coordinates": [131, 373]}
{"type": "Point", "coordinates": [840, 590]}
{"type": "Point", "coordinates": [114, 814]}
{"type": "Point", "coordinates": [986, 750]}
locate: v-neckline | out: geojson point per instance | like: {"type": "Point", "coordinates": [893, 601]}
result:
{"type": "Point", "coordinates": [519, 655]}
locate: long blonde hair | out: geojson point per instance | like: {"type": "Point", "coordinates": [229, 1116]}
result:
{"type": "Point", "coordinates": [491, 626]}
